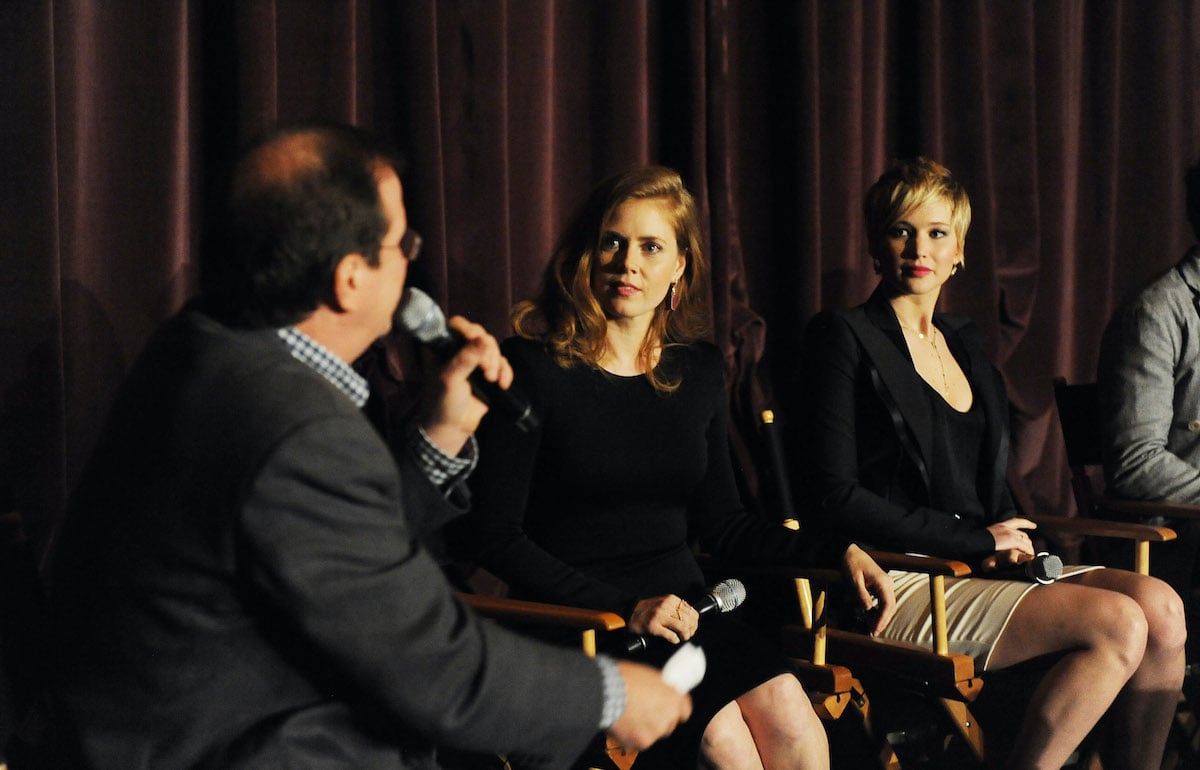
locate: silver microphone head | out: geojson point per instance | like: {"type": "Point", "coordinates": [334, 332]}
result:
{"type": "Point", "coordinates": [421, 316]}
{"type": "Point", "coordinates": [1045, 568]}
{"type": "Point", "coordinates": [729, 594]}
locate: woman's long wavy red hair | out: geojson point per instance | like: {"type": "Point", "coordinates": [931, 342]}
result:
{"type": "Point", "coordinates": [567, 315]}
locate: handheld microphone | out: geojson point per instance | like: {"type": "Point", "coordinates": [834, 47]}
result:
{"type": "Point", "coordinates": [423, 319]}
{"type": "Point", "coordinates": [1044, 568]}
{"type": "Point", "coordinates": [725, 596]}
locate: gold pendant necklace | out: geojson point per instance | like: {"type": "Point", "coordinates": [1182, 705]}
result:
{"type": "Point", "coordinates": [932, 339]}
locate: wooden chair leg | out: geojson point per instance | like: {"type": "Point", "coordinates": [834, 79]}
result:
{"type": "Point", "coordinates": [966, 726]}
{"type": "Point", "coordinates": [885, 755]}
{"type": "Point", "coordinates": [619, 757]}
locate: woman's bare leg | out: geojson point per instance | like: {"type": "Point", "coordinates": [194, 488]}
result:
{"type": "Point", "coordinates": [786, 729]}
{"type": "Point", "coordinates": [1103, 637]}
{"type": "Point", "coordinates": [1141, 717]}
{"type": "Point", "coordinates": [773, 727]}
{"type": "Point", "coordinates": [727, 743]}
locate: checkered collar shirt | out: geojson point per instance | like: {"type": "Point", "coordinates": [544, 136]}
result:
{"type": "Point", "coordinates": [320, 359]}
{"type": "Point", "coordinates": [439, 467]}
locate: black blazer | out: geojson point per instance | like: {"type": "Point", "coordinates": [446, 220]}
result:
{"type": "Point", "coordinates": [865, 435]}
{"type": "Point", "coordinates": [240, 583]}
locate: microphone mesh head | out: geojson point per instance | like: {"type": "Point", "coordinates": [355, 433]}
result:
{"type": "Point", "coordinates": [421, 316]}
{"type": "Point", "coordinates": [1049, 568]}
{"type": "Point", "coordinates": [729, 594]}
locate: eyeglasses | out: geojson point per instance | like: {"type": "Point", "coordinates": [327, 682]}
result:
{"type": "Point", "coordinates": [409, 246]}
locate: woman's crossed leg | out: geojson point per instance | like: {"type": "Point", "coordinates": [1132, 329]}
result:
{"type": "Point", "coordinates": [1121, 635]}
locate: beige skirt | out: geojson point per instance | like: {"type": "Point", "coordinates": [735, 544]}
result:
{"type": "Point", "coordinates": [977, 611]}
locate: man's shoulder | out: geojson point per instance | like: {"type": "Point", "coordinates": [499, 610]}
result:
{"type": "Point", "coordinates": [1176, 283]}
{"type": "Point", "coordinates": [210, 343]}
{"type": "Point", "coordinates": [237, 377]}
{"type": "Point", "coordinates": [1167, 303]}
{"type": "Point", "coordinates": [1162, 317]}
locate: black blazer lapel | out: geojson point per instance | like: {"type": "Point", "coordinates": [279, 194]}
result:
{"type": "Point", "coordinates": [882, 340]}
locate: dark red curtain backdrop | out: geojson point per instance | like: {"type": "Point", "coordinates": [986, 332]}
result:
{"type": "Point", "coordinates": [1071, 124]}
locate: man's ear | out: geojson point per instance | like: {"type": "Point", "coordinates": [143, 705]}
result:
{"type": "Point", "coordinates": [348, 281]}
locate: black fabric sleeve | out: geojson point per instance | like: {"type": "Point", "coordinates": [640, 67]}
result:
{"type": "Point", "coordinates": [493, 535]}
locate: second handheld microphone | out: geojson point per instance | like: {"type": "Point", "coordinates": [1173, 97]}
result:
{"type": "Point", "coordinates": [725, 596]}
{"type": "Point", "coordinates": [1044, 568]}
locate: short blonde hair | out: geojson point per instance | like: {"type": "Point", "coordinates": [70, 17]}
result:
{"type": "Point", "coordinates": [906, 185]}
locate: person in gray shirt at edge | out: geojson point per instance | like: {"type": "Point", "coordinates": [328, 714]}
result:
{"type": "Point", "coordinates": [1148, 387]}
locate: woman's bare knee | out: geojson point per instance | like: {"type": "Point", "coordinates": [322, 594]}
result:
{"type": "Point", "coordinates": [1073, 616]}
{"type": "Point", "coordinates": [725, 724]}
{"type": "Point", "coordinates": [1123, 632]}
{"type": "Point", "coordinates": [786, 729]}
{"type": "Point", "coordinates": [1165, 618]}
{"type": "Point", "coordinates": [780, 707]}
{"type": "Point", "coordinates": [727, 742]}
{"type": "Point", "coordinates": [1163, 610]}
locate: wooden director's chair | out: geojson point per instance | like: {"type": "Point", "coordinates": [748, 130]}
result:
{"type": "Point", "coordinates": [587, 623]}
{"type": "Point", "coordinates": [834, 690]}
{"type": "Point", "coordinates": [929, 692]}
{"type": "Point", "coordinates": [1080, 420]}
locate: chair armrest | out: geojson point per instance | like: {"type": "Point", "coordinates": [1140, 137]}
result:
{"type": "Point", "coordinates": [521, 611]}
{"type": "Point", "coordinates": [1140, 534]}
{"type": "Point", "coordinates": [938, 570]}
{"type": "Point", "coordinates": [1102, 528]}
{"type": "Point", "coordinates": [930, 565]}
{"type": "Point", "coordinates": [949, 675]}
{"type": "Point", "coordinates": [1164, 508]}
{"type": "Point", "coordinates": [812, 608]}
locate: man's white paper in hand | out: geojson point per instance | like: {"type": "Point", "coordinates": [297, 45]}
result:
{"type": "Point", "coordinates": [686, 668]}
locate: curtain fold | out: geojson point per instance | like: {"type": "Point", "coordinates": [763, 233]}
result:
{"type": "Point", "coordinates": [1070, 123]}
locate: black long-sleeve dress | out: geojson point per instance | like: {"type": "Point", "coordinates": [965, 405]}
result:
{"type": "Point", "coordinates": [599, 507]}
